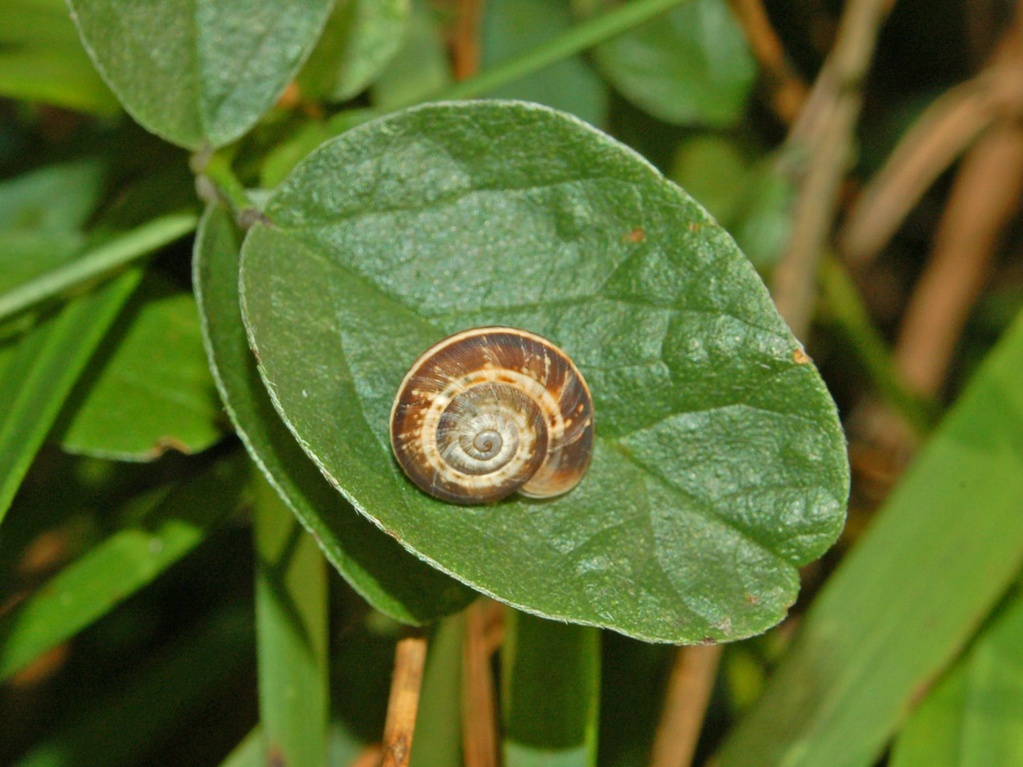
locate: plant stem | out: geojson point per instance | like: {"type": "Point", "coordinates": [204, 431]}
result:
{"type": "Point", "coordinates": [409, 659]}
{"type": "Point", "coordinates": [689, 689]}
{"type": "Point", "coordinates": [97, 263]}
{"type": "Point", "coordinates": [218, 171]}
{"type": "Point", "coordinates": [824, 135]}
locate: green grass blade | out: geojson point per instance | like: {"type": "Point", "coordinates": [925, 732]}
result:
{"type": "Point", "coordinates": [909, 596]}
{"type": "Point", "coordinates": [575, 40]}
{"type": "Point", "coordinates": [48, 361]}
{"type": "Point", "coordinates": [251, 752]}
{"type": "Point", "coordinates": [98, 262]}
{"type": "Point", "coordinates": [123, 725]}
{"type": "Point", "coordinates": [121, 565]}
{"type": "Point", "coordinates": [550, 693]}
{"type": "Point", "coordinates": [291, 635]}
{"type": "Point", "coordinates": [974, 716]}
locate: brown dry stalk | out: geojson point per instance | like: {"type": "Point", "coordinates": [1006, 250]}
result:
{"type": "Point", "coordinates": [823, 134]}
{"type": "Point", "coordinates": [479, 710]}
{"type": "Point", "coordinates": [984, 199]}
{"type": "Point", "coordinates": [939, 136]}
{"type": "Point", "coordinates": [409, 659]}
{"type": "Point", "coordinates": [465, 42]}
{"type": "Point", "coordinates": [493, 625]}
{"type": "Point", "coordinates": [689, 688]}
{"type": "Point", "coordinates": [787, 89]}
{"type": "Point", "coordinates": [369, 757]}
{"type": "Point", "coordinates": [985, 196]}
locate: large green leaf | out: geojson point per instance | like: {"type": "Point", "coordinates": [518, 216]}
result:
{"type": "Point", "coordinates": [360, 37]}
{"type": "Point", "coordinates": [198, 71]}
{"type": "Point", "coordinates": [378, 568]}
{"type": "Point", "coordinates": [719, 464]}
{"type": "Point", "coordinates": [910, 595]}
{"type": "Point", "coordinates": [154, 391]}
{"type": "Point", "coordinates": [689, 67]}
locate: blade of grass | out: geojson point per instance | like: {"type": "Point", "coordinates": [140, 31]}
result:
{"type": "Point", "coordinates": [972, 717]}
{"type": "Point", "coordinates": [127, 722]}
{"type": "Point", "coordinates": [291, 635]}
{"type": "Point", "coordinates": [122, 564]}
{"type": "Point", "coordinates": [251, 752]}
{"type": "Point", "coordinates": [947, 544]}
{"type": "Point", "coordinates": [49, 359]}
{"type": "Point", "coordinates": [550, 692]}
{"type": "Point", "coordinates": [98, 262]}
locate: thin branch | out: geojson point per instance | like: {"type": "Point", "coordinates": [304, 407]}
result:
{"type": "Point", "coordinates": [984, 200]}
{"type": "Point", "coordinates": [824, 136]}
{"type": "Point", "coordinates": [216, 180]}
{"type": "Point", "coordinates": [479, 710]}
{"type": "Point", "coordinates": [403, 704]}
{"type": "Point", "coordinates": [689, 689]}
{"type": "Point", "coordinates": [786, 87]}
{"type": "Point", "coordinates": [941, 134]}
{"type": "Point", "coordinates": [465, 43]}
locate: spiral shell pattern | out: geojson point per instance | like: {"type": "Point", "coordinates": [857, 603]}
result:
{"type": "Point", "coordinates": [493, 411]}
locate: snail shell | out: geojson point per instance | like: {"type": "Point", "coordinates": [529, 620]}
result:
{"type": "Point", "coordinates": [492, 411]}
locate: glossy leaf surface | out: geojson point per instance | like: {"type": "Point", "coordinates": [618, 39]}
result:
{"type": "Point", "coordinates": [198, 71]}
{"type": "Point", "coordinates": [719, 464]}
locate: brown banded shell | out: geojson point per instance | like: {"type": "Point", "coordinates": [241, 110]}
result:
{"type": "Point", "coordinates": [493, 411]}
